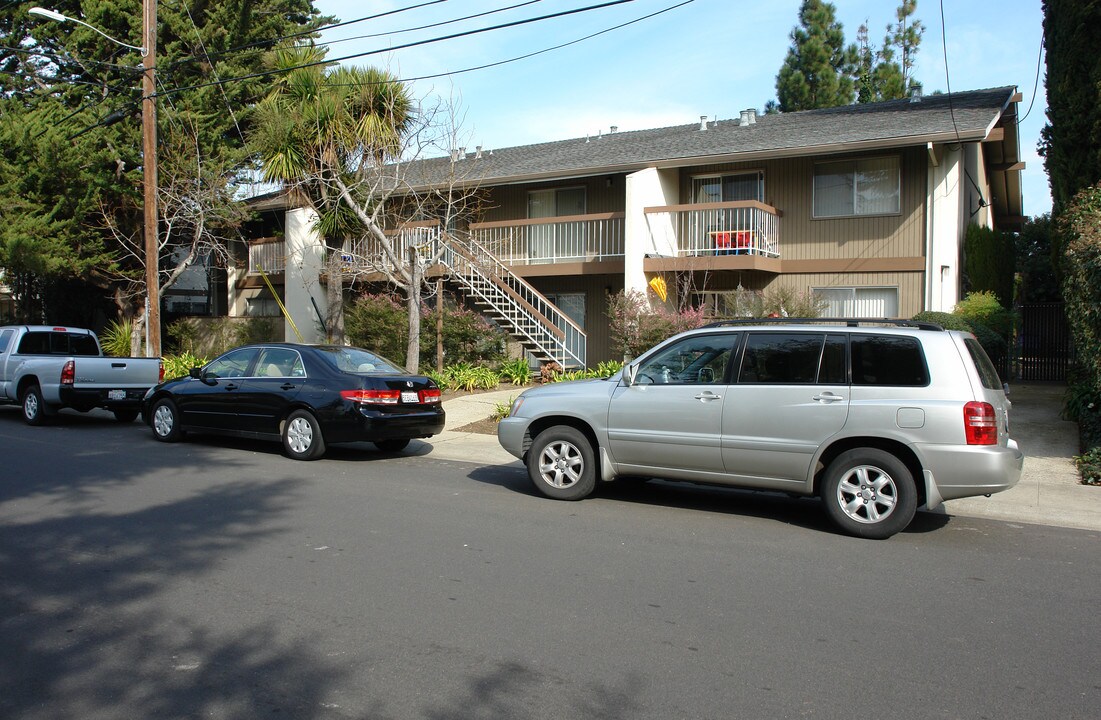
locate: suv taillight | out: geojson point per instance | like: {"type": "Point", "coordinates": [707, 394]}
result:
{"type": "Point", "coordinates": [980, 424]}
{"type": "Point", "coordinates": [68, 373]}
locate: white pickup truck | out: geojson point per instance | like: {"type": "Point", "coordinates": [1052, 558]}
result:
{"type": "Point", "coordinates": [47, 368]}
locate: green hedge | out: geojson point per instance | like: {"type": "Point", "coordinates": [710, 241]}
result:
{"type": "Point", "coordinates": [1079, 227]}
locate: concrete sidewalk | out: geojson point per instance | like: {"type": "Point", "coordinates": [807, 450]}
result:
{"type": "Point", "coordinates": [1048, 494]}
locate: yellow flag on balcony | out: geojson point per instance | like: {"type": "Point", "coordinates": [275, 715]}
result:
{"type": "Point", "coordinates": [657, 284]}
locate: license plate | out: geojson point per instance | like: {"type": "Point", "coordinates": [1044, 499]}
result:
{"type": "Point", "coordinates": [116, 394]}
{"type": "Point", "coordinates": [410, 397]}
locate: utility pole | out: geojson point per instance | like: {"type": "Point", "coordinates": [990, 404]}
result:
{"type": "Point", "coordinates": [149, 178]}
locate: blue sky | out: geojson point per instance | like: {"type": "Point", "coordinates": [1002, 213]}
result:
{"type": "Point", "coordinates": [707, 57]}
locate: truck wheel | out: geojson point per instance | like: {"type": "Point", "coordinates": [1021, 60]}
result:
{"type": "Point", "coordinates": [302, 436]}
{"type": "Point", "coordinates": [125, 416]}
{"type": "Point", "coordinates": [166, 421]}
{"type": "Point", "coordinates": [35, 409]}
{"type": "Point", "coordinates": [561, 463]}
{"type": "Point", "coordinates": [869, 493]}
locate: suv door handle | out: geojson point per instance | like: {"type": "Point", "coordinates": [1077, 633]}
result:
{"type": "Point", "coordinates": [708, 395]}
{"type": "Point", "coordinates": [828, 397]}
{"type": "Point", "coordinates": [287, 386]}
{"type": "Point", "coordinates": [231, 386]}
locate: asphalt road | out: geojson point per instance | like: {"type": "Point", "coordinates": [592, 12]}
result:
{"type": "Point", "coordinates": [218, 579]}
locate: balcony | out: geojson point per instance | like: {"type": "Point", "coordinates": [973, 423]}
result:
{"type": "Point", "coordinates": [572, 238]}
{"type": "Point", "coordinates": [366, 255]}
{"type": "Point", "coordinates": [709, 229]}
{"type": "Point", "coordinates": [267, 254]}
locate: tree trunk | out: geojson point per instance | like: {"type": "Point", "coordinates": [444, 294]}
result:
{"type": "Point", "coordinates": [334, 299]}
{"type": "Point", "coordinates": [413, 305]}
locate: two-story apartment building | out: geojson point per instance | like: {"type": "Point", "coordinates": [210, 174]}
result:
{"type": "Point", "coordinates": [864, 205]}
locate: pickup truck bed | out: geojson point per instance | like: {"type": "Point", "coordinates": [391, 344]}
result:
{"type": "Point", "coordinates": [47, 368]}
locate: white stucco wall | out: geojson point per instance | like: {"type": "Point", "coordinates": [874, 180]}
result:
{"type": "Point", "coordinates": [647, 235]}
{"type": "Point", "coordinates": [946, 220]}
{"type": "Point", "coordinates": [305, 263]}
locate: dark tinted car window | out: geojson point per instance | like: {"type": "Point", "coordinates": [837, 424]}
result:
{"type": "Point", "coordinates": [833, 370]}
{"type": "Point", "coordinates": [888, 360]}
{"type": "Point", "coordinates": [781, 358]}
{"type": "Point", "coordinates": [357, 360]}
{"type": "Point", "coordinates": [57, 343]}
{"type": "Point", "coordinates": [697, 360]}
{"type": "Point", "coordinates": [987, 374]}
{"type": "Point", "coordinates": [233, 364]}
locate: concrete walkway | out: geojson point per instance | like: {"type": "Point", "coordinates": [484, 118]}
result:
{"type": "Point", "coordinates": [1048, 494]}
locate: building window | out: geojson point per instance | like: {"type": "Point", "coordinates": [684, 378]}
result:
{"type": "Point", "coordinates": [728, 188]}
{"type": "Point", "coordinates": [847, 188]}
{"type": "Point", "coordinates": [862, 302]}
{"type": "Point", "coordinates": [554, 241]}
{"type": "Point", "coordinates": [572, 306]}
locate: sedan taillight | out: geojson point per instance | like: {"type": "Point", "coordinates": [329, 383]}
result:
{"type": "Point", "coordinates": [373, 397]}
{"type": "Point", "coordinates": [430, 396]}
{"type": "Point", "coordinates": [980, 424]}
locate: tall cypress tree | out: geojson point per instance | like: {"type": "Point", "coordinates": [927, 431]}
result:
{"type": "Point", "coordinates": [1071, 141]}
{"type": "Point", "coordinates": [818, 70]}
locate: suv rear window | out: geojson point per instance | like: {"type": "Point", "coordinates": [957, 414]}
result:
{"type": "Point", "coordinates": [888, 360]}
{"type": "Point", "coordinates": [987, 374]}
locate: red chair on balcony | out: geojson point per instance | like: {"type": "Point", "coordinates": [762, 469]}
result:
{"type": "Point", "coordinates": [733, 242]}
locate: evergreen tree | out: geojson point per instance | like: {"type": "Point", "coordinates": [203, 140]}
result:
{"type": "Point", "coordinates": [70, 129]}
{"type": "Point", "coordinates": [818, 70]}
{"type": "Point", "coordinates": [1071, 141]}
{"type": "Point", "coordinates": [879, 75]}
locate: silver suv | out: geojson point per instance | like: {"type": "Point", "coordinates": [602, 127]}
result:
{"type": "Point", "coordinates": [876, 417]}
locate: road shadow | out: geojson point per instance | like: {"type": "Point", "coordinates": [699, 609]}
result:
{"type": "Point", "coordinates": [804, 512]}
{"type": "Point", "coordinates": [87, 625]}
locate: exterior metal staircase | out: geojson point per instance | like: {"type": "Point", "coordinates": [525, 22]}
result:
{"type": "Point", "coordinates": [535, 322]}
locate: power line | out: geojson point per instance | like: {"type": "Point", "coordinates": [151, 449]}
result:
{"type": "Point", "coordinates": [947, 79]}
{"type": "Point", "coordinates": [417, 43]}
{"type": "Point", "coordinates": [271, 41]}
{"type": "Point", "coordinates": [1036, 83]}
{"type": "Point", "coordinates": [544, 50]}
{"type": "Point", "coordinates": [432, 25]}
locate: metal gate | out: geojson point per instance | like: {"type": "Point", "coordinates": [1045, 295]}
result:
{"type": "Point", "coordinates": [1044, 348]}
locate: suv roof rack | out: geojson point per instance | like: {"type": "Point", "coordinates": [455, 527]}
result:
{"type": "Point", "coordinates": [848, 322]}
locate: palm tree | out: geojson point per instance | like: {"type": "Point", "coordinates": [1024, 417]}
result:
{"type": "Point", "coordinates": [325, 132]}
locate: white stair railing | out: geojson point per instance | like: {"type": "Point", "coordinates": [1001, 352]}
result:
{"type": "Point", "coordinates": [544, 329]}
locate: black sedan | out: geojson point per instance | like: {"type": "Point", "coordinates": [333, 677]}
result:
{"type": "Point", "coordinates": [308, 396]}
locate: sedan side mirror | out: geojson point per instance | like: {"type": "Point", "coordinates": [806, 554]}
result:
{"type": "Point", "coordinates": [195, 373]}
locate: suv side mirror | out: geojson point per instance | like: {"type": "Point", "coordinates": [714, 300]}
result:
{"type": "Point", "coordinates": [195, 373]}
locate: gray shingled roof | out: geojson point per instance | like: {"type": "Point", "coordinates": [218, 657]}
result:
{"type": "Point", "coordinates": [895, 123]}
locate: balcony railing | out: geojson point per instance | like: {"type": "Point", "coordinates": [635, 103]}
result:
{"type": "Point", "coordinates": [367, 254]}
{"type": "Point", "coordinates": [571, 238]}
{"type": "Point", "coordinates": [726, 228]}
{"type": "Point", "coordinates": [267, 254]}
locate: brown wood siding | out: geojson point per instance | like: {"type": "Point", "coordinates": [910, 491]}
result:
{"type": "Point", "coordinates": [510, 202]}
{"type": "Point", "coordinates": [910, 285]}
{"type": "Point", "coordinates": [789, 187]}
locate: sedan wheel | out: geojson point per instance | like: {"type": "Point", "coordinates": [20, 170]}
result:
{"type": "Point", "coordinates": [561, 465]}
{"type": "Point", "coordinates": [302, 436]}
{"type": "Point", "coordinates": [869, 493]}
{"type": "Point", "coordinates": [166, 421]}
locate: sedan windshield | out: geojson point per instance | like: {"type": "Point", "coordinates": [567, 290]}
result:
{"type": "Point", "coordinates": [357, 360]}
